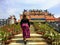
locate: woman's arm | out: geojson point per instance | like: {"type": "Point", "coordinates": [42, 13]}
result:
{"type": "Point", "coordinates": [28, 23]}
{"type": "Point", "coordinates": [21, 23]}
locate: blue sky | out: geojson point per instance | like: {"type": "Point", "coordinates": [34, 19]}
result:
{"type": "Point", "coordinates": [16, 7]}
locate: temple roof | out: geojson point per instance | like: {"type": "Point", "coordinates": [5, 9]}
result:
{"type": "Point", "coordinates": [49, 17]}
{"type": "Point", "coordinates": [37, 16]}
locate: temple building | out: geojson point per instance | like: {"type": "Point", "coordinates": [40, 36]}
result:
{"type": "Point", "coordinates": [57, 19]}
{"type": "Point", "coordinates": [3, 22]}
{"type": "Point", "coordinates": [38, 16]}
{"type": "Point", "coordinates": [11, 20]}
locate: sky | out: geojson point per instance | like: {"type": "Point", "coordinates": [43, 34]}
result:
{"type": "Point", "coordinates": [16, 7]}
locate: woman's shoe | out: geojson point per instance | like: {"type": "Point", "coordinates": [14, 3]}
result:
{"type": "Point", "coordinates": [24, 42]}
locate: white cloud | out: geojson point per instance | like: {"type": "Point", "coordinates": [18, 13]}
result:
{"type": "Point", "coordinates": [57, 15]}
{"type": "Point", "coordinates": [11, 11]}
{"type": "Point", "coordinates": [14, 6]}
{"type": "Point", "coordinates": [51, 3]}
{"type": "Point", "coordinates": [26, 1]}
{"type": "Point", "coordinates": [34, 1]}
{"type": "Point", "coordinates": [43, 4]}
{"type": "Point", "coordinates": [14, 11]}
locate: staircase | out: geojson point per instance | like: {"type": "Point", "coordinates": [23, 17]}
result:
{"type": "Point", "coordinates": [36, 39]}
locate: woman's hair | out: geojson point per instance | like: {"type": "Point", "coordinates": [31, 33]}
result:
{"type": "Point", "coordinates": [24, 16]}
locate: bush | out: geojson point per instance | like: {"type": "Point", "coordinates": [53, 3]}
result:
{"type": "Point", "coordinates": [6, 32]}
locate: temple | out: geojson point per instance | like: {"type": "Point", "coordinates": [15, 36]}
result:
{"type": "Point", "coordinates": [39, 16]}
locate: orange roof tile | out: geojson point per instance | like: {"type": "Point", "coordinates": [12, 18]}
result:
{"type": "Point", "coordinates": [49, 17]}
{"type": "Point", "coordinates": [38, 16]}
{"type": "Point", "coordinates": [57, 19]}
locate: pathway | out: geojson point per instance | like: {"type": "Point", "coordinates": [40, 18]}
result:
{"type": "Point", "coordinates": [36, 39]}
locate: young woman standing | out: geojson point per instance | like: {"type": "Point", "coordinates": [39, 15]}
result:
{"type": "Point", "coordinates": [25, 24]}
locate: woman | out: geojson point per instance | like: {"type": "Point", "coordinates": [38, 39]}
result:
{"type": "Point", "coordinates": [25, 27]}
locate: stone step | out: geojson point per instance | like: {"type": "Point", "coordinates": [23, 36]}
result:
{"type": "Point", "coordinates": [37, 43]}
{"type": "Point", "coordinates": [15, 44]}
{"type": "Point", "coordinates": [29, 39]}
{"type": "Point", "coordinates": [30, 43]}
{"type": "Point", "coordinates": [30, 36]}
{"type": "Point", "coordinates": [20, 35]}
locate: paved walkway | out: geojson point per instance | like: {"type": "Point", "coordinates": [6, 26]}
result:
{"type": "Point", "coordinates": [34, 40]}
